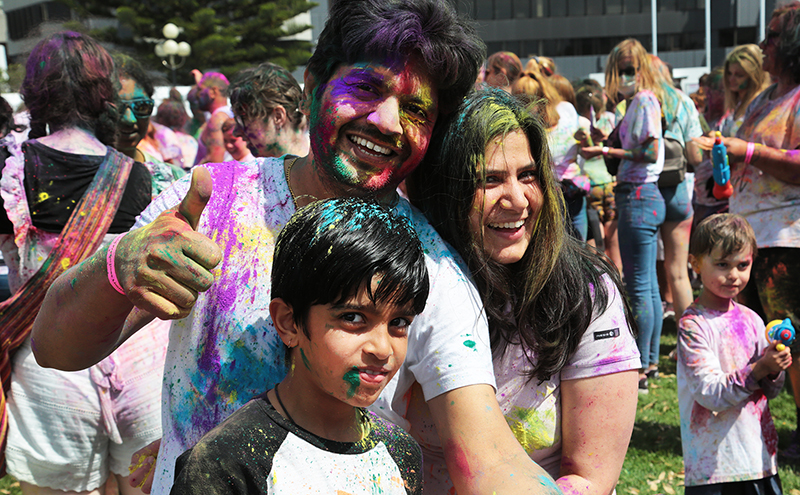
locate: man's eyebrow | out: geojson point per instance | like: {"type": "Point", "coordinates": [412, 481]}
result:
{"type": "Point", "coordinates": [365, 73]}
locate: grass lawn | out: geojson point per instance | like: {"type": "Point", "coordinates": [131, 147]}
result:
{"type": "Point", "coordinates": [654, 464]}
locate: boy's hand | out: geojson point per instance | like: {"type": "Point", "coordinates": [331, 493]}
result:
{"type": "Point", "coordinates": [773, 361]}
{"type": "Point", "coordinates": [165, 264]}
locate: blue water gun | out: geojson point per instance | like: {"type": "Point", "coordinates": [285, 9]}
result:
{"type": "Point", "coordinates": [723, 189]}
{"type": "Point", "coordinates": [782, 331]}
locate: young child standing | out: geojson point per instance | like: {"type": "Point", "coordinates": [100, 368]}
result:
{"type": "Point", "coordinates": [348, 278]}
{"type": "Point", "coordinates": [727, 370]}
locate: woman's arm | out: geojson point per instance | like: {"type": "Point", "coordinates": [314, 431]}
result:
{"type": "Point", "coordinates": [646, 153]}
{"type": "Point", "coordinates": [782, 164]}
{"type": "Point", "coordinates": [597, 416]}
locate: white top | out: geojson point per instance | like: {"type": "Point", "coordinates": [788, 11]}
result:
{"type": "Point", "coordinates": [726, 427]}
{"type": "Point", "coordinates": [227, 351]}
{"type": "Point", "coordinates": [771, 205]}
{"type": "Point", "coordinates": [533, 410]}
{"type": "Point", "coordinates": [641, 122]}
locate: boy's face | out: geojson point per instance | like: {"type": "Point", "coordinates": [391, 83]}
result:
{"type": "Point", "coordinates": [723, 276]}
{"type": "Point", "coordinates": [353, 349]}
{"type": "Point", "coordinates": [371, 123]}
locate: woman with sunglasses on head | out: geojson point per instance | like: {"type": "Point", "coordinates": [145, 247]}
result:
{"type": "Point", "coordinates": [564, 355]}
{"type": "Point", "coordinates": [135, 108]}
{"type": "Point", "coordinates": [70, 432]}
{"type": "Point", "coordinates": [765, 173]}
{"type": "Point", "coordinates": [641, 209]}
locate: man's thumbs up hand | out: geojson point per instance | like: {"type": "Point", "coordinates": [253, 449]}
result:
{"type": "Point", "coordinates": [165, 264]}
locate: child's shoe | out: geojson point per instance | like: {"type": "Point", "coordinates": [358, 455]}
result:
{"type": "Point", "coordinates": [643, 387]}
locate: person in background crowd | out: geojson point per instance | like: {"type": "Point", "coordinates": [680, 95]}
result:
{"type": "Point", "coordinates": [235, 145]}
{"type": "Point", "coordinates": [212, 97]}
{"type": "Point", "coordinates": [641, 210]}
{"type": "Point", "coordinates": [266, 103]}
{"type": "Point", "coordinates": [589, 100]}
{"type": "Point", "coordinates": [172, 114]}
{"type": "Point", "coordinates": [136, 107]}
{"type": "Point", "coordinates": [502, 70]}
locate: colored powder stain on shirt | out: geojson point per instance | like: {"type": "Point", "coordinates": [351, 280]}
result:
{"type": "Point", "coordinates": [353, 380]}
{"type": "Point", "coordinates": [470, 343]}
{"type": "Point", "coordinates": [530, 430]}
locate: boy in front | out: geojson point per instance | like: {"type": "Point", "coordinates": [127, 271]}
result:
{"type": "Point", "coordinates": [348, 279]}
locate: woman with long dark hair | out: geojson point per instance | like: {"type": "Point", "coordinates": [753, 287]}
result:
{"type": "Point", "coordinates": [565, 358]}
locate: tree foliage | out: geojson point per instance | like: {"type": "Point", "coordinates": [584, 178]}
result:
{"type": "Point", "coordinates": [225, 35]}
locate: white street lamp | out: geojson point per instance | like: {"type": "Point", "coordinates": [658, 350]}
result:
{"type": "Point", "coordinates": [169, 48]}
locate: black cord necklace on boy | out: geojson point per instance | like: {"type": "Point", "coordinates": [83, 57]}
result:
{"type": "Point", "coordinates": [278, 395]}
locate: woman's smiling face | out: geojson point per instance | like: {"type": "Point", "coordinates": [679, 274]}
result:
{"type": "Point", "coordinates": [507, 205]}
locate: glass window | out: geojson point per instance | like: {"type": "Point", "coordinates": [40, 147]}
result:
{"type": "Point", "coordinates": [594, 7]}
{"type": "Point", "coordinates": [484, 9]}
{"type": "Point", "coordinates": [530, 48]}
{"type": "Point", "coordinates": [522, 9]}
{"type": "Point", "coordinates": [577, 8]}
{"type": "Point", "coordinates": [613, 7]}
{"type": "Point", "coordinates": [502, 9]}
{"type": "Point", "coordinates": [667, 5]}
{"type": "Point", "coordinates": [633, 6]}
{"type": "Point", "coordinates": [494, 47]}
{"type": "Point", "coordinates": [646, 7]}
{"type": "Point", "coordinates": [466, 7]}
{"type": "Point", "coordinates": [540, 8]}
{"type": "Point", "coordinates": [558, 8]}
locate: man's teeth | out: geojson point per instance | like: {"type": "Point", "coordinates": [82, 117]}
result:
{"type": "Point", "coordinates": [507, 225]}
{"type": "Point", "coordinates": [370, 372]}
{"type": "Point", "coordinates": [370, 145]}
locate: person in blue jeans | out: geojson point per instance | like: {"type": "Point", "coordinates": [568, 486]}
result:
{"type": "Point", "coordinates": [632, 82]}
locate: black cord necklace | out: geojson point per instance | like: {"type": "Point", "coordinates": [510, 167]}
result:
{"type": "Point", "coordinates": [278, 395]}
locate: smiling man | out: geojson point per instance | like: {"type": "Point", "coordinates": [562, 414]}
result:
{"type": "Point", "coordinates": [382, 75]}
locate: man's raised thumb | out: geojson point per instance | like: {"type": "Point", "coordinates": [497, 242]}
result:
{"type": "Point", "coordinates": [197, 197]}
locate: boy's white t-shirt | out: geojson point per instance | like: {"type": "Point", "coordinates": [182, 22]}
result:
{"type": "Point", "coordinates": [227, 351]}
{"type": "Point", "coordinates": [726, 426]}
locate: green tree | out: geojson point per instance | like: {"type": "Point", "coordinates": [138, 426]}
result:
{"type": "Point", "coordinates": [226, 35]}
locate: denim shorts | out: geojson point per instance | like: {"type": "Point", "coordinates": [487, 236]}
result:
{"type": "Point", "coordinates": [678, 200]}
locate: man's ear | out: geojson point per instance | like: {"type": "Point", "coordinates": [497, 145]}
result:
{"type": "Point", "coordinates": [309, 86]}
{"type": "Point", "coordinates": [283, 318]}
{"type": "Point", "coordinates": [279, 116]}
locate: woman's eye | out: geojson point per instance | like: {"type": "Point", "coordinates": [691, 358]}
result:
{"type": "Point", "coordinates": [492, 179]}
{"type": "Point", "coordinates": [528, 175]}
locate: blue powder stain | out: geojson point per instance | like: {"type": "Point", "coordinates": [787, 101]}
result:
{"type": "Point", "coordinates": [470, 343]}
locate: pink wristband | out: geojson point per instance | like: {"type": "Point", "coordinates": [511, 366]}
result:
{"type": "Point", "coordinates": [749, 154]}
{"type": "Point", "coordinates": [110, 269]}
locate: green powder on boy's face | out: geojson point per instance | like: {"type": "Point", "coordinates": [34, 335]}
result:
{"type": "Point", "coordinates": [352, 378]}
{"type": "Point", "coordinates": [305, 359]}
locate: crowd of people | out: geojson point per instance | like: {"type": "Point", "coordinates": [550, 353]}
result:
{"type": "Point", "coordinates": [423, 270]}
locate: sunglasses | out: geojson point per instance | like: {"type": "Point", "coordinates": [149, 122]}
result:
{"type": "Point", "coordinates": [141, 107]}
{"type": "Point", "coordinates": [627, 71]}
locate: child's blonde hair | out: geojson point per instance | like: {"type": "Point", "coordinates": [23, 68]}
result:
{"type": "Point", "coordinates": [728, 231]}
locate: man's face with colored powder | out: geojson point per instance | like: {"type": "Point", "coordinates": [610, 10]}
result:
{"type": "Point", "coordinates": [371, 124]}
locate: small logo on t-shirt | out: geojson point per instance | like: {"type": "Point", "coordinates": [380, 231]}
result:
{"type": "Point", "coordinates": [606, 334]}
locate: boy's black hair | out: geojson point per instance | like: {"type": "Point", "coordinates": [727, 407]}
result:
{"type": "Point", "coordinates": [332, 249]}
